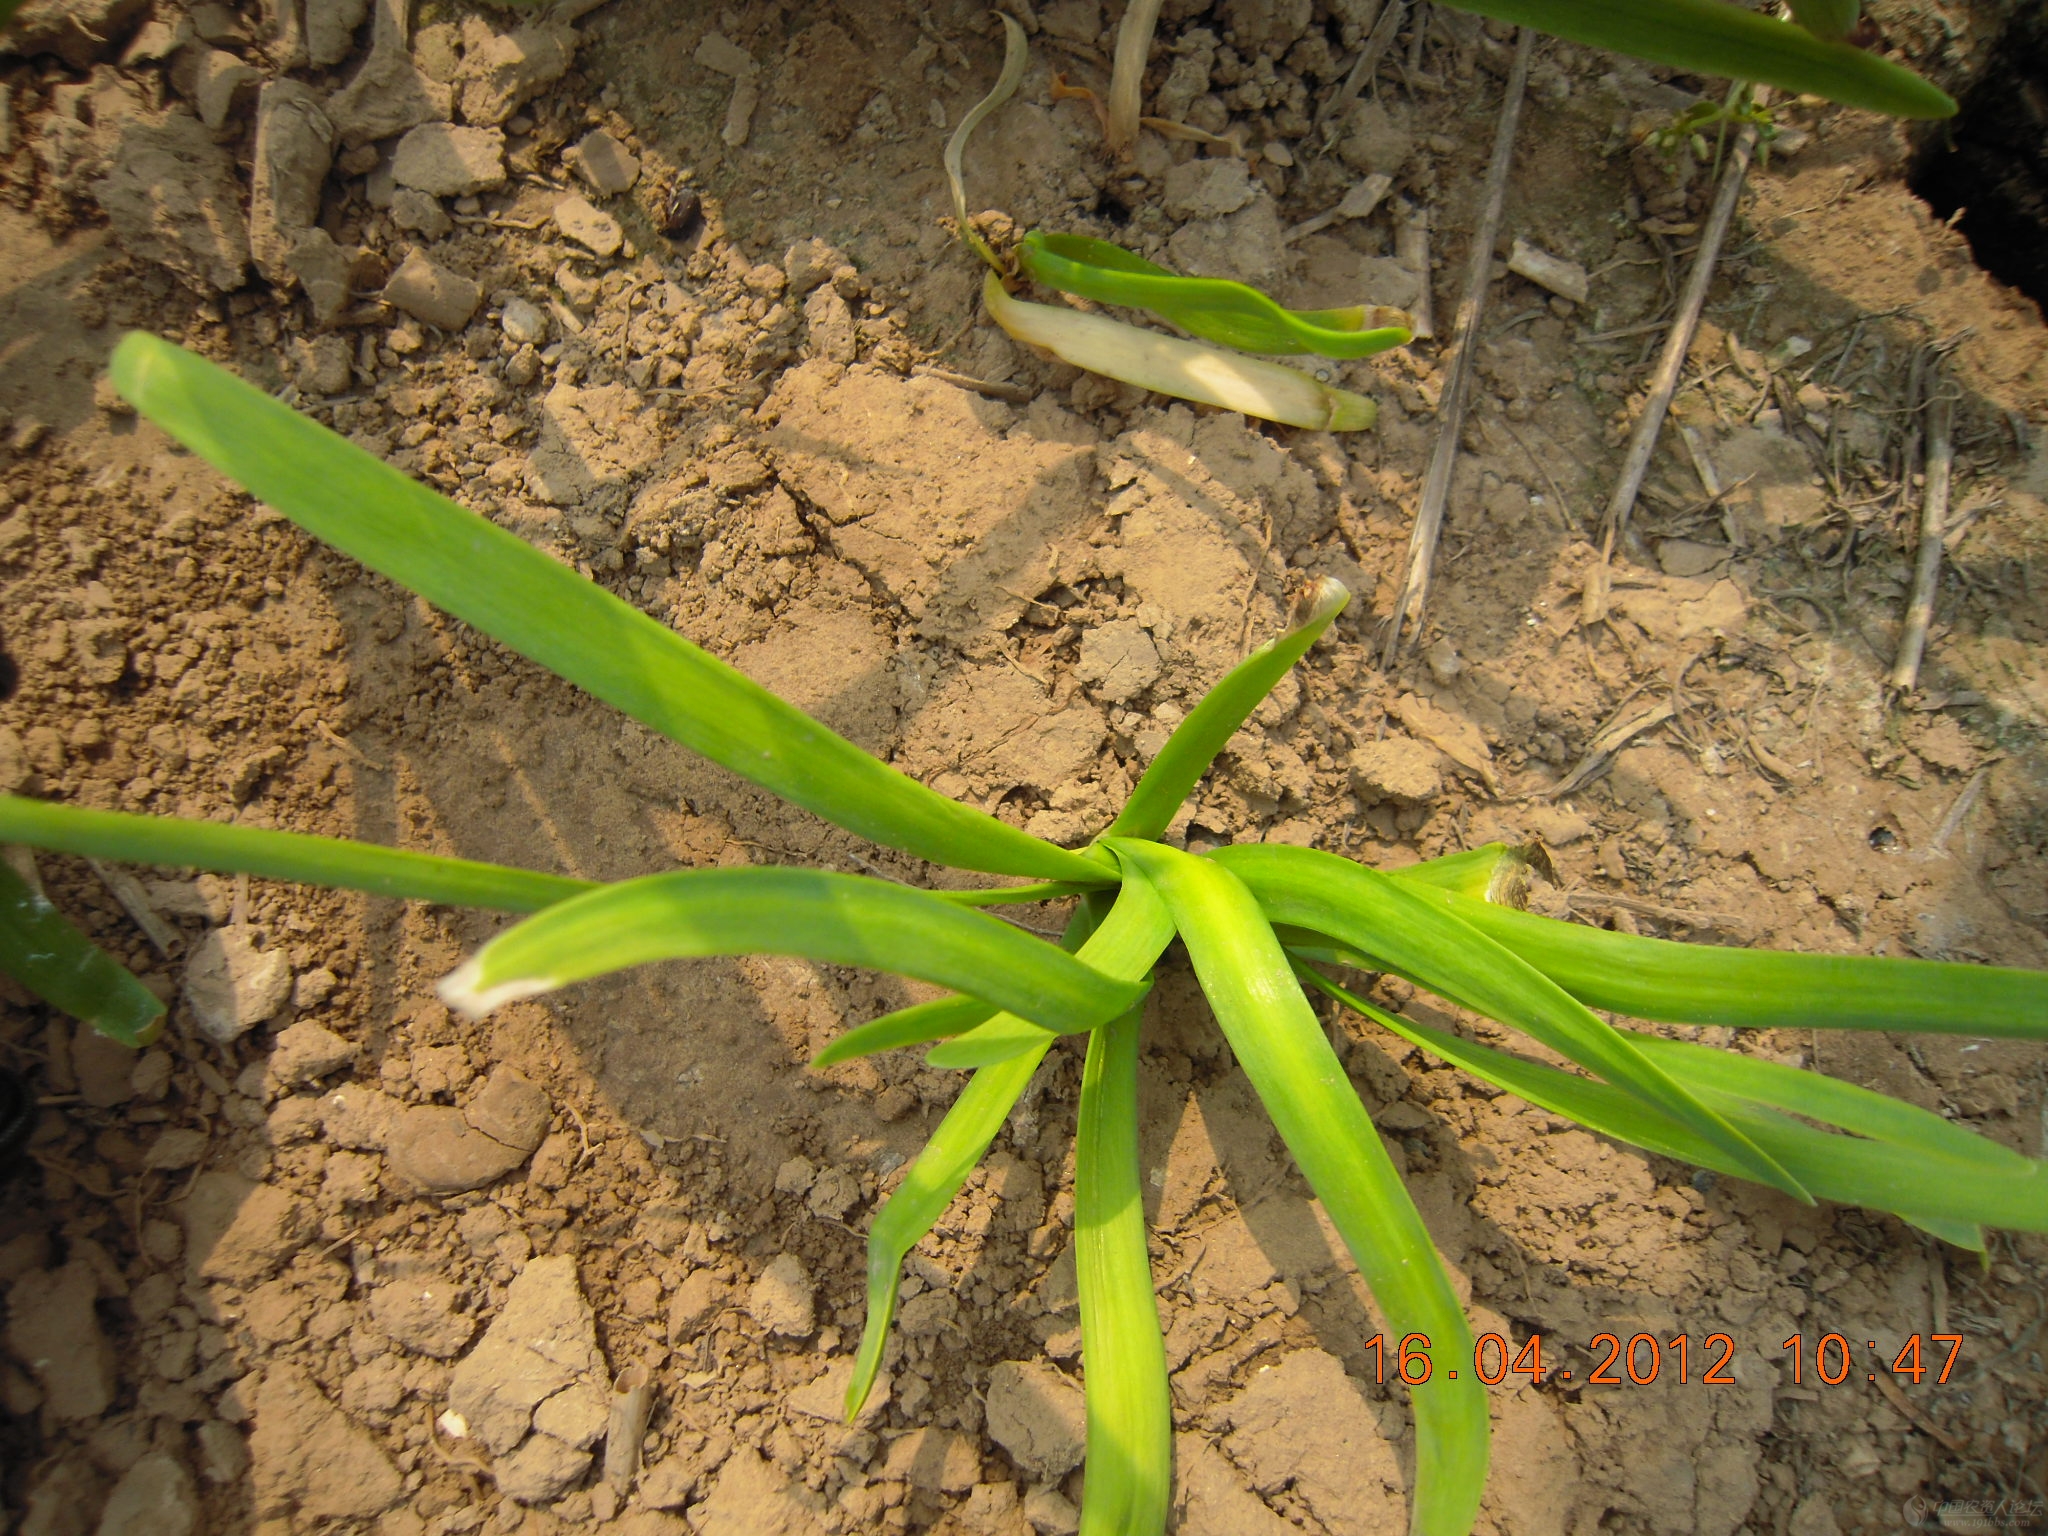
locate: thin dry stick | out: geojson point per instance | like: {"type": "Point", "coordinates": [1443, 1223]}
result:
{"type": "Point", "coordinates": [1436, 485]}
{"type": "Point", "coordinates": [1676, 345]}
{"type": "Point", "coordinates": [1933, 524]}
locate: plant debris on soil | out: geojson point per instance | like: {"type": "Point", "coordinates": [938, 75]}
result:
{"type": "Point", "coordinates": [666, 290]}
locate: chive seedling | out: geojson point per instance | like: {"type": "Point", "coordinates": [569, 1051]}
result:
{"type": "Point", "coordinates": [1262, 924]}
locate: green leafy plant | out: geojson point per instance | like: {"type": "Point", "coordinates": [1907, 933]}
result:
{"type": "Point", "coordinates": [1214, 309]}
{"type": "Point", "coordinates": [1263, 926]}
{"type": "Point", "coordinates": [1809, 54]}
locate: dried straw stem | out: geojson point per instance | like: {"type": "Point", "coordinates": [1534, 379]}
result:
{"type": "Point", "coordinates": [1678, 342]}
{"type": "Point", "coordinates": [1127, 76]}
{"type": "Point", "coordinates": [1436, 485]}
{"type": "Point", "coordinates": [1933, 525]}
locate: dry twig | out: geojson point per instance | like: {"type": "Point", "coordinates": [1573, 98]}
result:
{"type": "Point", "coordinates": [1436, 485]}
{"type": "Point", "coordinates": [1664, 384]}
{"type": "Point", "coordinates": [1933, 526]}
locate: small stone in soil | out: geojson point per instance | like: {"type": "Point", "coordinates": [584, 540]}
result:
{"type": "Point", "coordinates": [420, 1314]}
{"type": "Point", "coordinates": [305, 1052]}
{"type": "Point", "coordinates": [540, 1471]}
{"type": "Point", "coordinates": [605, 163]}
{"type": "Point", "coordinates": [421, 213]}
{"type": "Point", "coordinates": [781, 1300]}
{"type": "Point", "coordinates": [524, 322]}
{"type": "Point", "coordinates": [232, 986]}
{"type": "Point", "coordinates": [310, 1457]}
{"type": "Point", "coordinates": [53, 1329]}
{"type": "Point", "coordinates": [1396, 769]}
{"type": "Point", "coordinates": [543, 1339]}
{"type": "Point", "coordinates": [432, 293]}
{"type": "Point", "coordinates": [446, 161]}
{"type": "Point", "coordinates": [596, 231]}
{"type": "Point", "coordinates": [1036, 1414]}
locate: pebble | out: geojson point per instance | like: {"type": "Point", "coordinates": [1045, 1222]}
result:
{"type": "Point", "coordinates": [605, 163]}
{"type": "Point", "coordinates": [305, 1052]}
{"type": "Point", "coordinates": [231, 986]}
{"type": "Point", "coordinates": [1207, 189]}
{"type": "Point", "coordinates": [540, 1471]}
{"type": "Point", "coordinates": [502, 72]}
{"type": "Point", "coordinates": [357, 1117]}
{"type": "Point", "coordinates": [433, 1147]}
{"type": "Point", "coordinates": [53, 1329]}
{"type": "Point", "coordinates": [1396, 769]}
{"type": "Point", "coordinates": [936, 1460]}
{"type": "Point", "coordinates": [239, 1231]}
{"type": "Point", "coordinates": [511, 1110]}
{"type": "Point", "coordinates": [432, 294]}
{"type": "Point", "coordinates": [294, 149]}
{"type": "Point", "coordinates": [314, 987]}
{"type": "Point", "coordinates": [446, 161]}
{"type": "Point", "coordinates": [309, 1457]}
{"type": "Point", "coordinates": [421, 1314]}
{"type": "Point", "coordinates": [154, 1498]}
{"type": "Point", "coordinates": [782, 1299]}
{"type": "Point", "coordinates": [543, 1341]}
{"type": "Point", "coordinates": [322, 365]}
{"type": "Point", "coordinates": [525, 322]}
{"type": "Point", "coordinates": [174, 197]}
{"type": "Point", "coordinates": [809, 262]}
{"type": "Point", "coordinates": [421, 213]}
{"type": "Point", "coordinates": [174, 1148]}
{"type": "Point", "coordinates": [1037, 1415]}
{"type": "Point", "coordinates": [589, 227]}
{"type": "Point", "coordinates": [1118, 660]}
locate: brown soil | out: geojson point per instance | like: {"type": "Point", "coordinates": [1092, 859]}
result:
{"type": "Point", "coordinates": [233, 1308]}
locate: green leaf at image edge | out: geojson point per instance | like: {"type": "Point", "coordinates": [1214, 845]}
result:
{"type": "Point", "coordinates": [330, 861]}
{"type": "Point", "coordinates": [1715, 37]}
{"type": "Point", "coordinates": [43, 952]}
{"type": "Point", "coordinates": [1900, 1159]}
{"type": "Point", "coordinates": [1676, 983]}
{"type": "Point", "coordinates": [511, 591]}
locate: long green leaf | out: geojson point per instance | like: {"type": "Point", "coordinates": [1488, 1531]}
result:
{"type": "Point", "coordinates": [1816, 1096]}
{"type": "Point", "coordinates": [940, 1019]}
{"type": "Point", "coordinates": [1282, 1049]}
{"type": "Point", "coordinates": [934, 1179]}
{"type": "Point", "coordinates": [1125, 947]}
{"type": "Point", "coordinates": [1130, 1410]}
{"type": "Point", "coordinates": [1213, 308]}
{"type": "Point", "coordinates": [43, 952]}
{"type": "Point", "coordinates": [1215, 719]}
{"type": "Point", "coordinates": [1932, 1174]}
{"type": "Point", "coordinates": [970, 1125]}
{"type": "Point", "coordinates": [839, 919]}
{"type": "Point", "coordinates": [511, 591]}
{"type": "Point", "coordinates": [1404, 923]}
{"type": "Point", "coordinates": [1713, 37]}
{"type": "Point", "coordinates": [329, 861]}
{"type": "Point", "coordinates": [1707, 984]}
